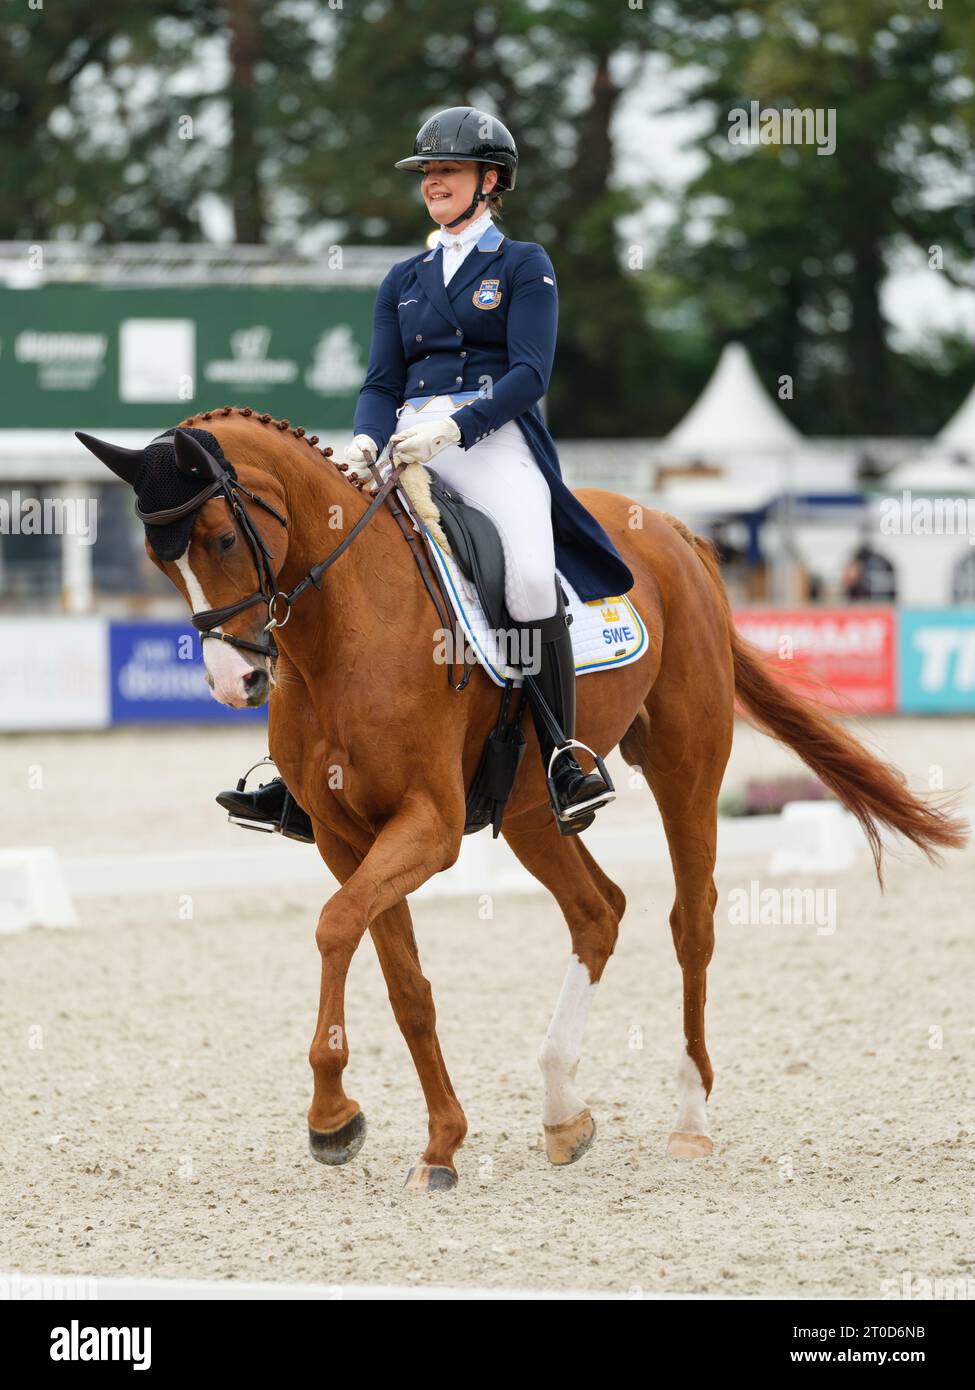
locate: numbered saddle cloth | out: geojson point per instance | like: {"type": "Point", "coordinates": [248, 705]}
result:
{"type": "Point", "coordinates": [606, 633]}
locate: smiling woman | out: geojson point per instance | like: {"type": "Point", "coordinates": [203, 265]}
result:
{"type": "Point", "coordinates": [462, 136]}
{"type": "Point", "coordinates": [448, 186]}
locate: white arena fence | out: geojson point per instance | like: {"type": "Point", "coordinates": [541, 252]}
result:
{"type": "Point", "coordinates": [38, 886]}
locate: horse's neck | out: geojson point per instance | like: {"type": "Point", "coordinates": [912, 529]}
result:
{"type": "Point", "coordinates": [373, 571]}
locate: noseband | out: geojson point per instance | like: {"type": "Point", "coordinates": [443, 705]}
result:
{"type": "Point", "coordinates": [278, 602]}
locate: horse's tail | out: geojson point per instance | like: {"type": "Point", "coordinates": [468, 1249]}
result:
{"type": "Point", "coordinates": [874, 791]}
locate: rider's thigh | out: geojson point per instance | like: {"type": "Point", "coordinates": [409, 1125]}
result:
{"type": "Point", "coordinates": [500, 477]}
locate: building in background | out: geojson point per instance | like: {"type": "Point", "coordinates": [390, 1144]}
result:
{"type": "Point", "coordinates": [124, 342]}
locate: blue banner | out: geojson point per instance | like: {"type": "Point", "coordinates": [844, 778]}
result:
{"type": "Point", "coordinates": [157, 676]}
{"type": "Point", "coordinates": [936, 661]}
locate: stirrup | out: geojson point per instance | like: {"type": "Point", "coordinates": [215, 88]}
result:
{"type": "Point", "coordinates": [293, 823]}
{"type": "Point", "coordinates": [579, 808]}
{"type": "Point", "coordinates": [248, 822]}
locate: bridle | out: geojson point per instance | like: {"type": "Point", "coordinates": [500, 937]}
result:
{"type": "Point", "coordinates": [278, 602]}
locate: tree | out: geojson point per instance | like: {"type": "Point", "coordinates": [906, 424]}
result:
{"type": "Point", "coordinates": [790, 248]}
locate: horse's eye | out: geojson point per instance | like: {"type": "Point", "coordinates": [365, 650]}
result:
{"type": "Point", "coordinates": [228, 541]}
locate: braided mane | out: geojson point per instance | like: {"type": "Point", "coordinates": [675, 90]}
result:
{"type": "Point", "coordinates": [414, 479]}
{"type": "Point", "coordinates": [297, 430]}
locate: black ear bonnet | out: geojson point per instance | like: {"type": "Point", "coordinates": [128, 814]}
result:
{"type": "Point", "coordinates": [160, 485]}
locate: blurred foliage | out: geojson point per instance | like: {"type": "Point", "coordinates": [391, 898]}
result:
{"type": "Point", "coordinates": [299, 109]}
{"type": "Point", "coordinates": [791, 248]}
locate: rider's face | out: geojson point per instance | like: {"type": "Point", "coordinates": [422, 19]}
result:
{"type": "Point", "coordinates": [448, 187]}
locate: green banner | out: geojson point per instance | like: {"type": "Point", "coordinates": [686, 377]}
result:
{"type": "Point", "coordinates": [96, 357]}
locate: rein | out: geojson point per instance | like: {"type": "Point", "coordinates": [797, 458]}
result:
{"type": "Point", "coordinates": [225, 484]}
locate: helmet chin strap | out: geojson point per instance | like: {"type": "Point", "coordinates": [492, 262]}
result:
{"type": "Point", "coordinates": [479, 197]}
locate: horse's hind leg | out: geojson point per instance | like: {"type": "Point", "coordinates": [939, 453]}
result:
{"type": "Point", "coordinates": [592, 906]}
{"type": "Point", "coordinates": [684, 769]}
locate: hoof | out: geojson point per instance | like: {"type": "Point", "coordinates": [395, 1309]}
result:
{"type": "Point", "coordinates": [424, 1178]}
{"type": "Point", "coordinates": [568, 1141]}
{"type": "Point", "coordinates": [681, 1144]}
{"type": "Point", "coordinates": [334, 1146]}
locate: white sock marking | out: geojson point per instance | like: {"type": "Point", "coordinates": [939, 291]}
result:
{"type": "Point", "coordinates": [559, 1054]}
{"type": "Point", "coordinates": [692, 1115]}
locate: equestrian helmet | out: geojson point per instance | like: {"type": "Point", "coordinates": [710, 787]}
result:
{"type": "Point", "coordinates": [468, 135]}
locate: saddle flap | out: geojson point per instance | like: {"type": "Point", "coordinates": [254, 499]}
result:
{"type": "Point", "coordinates": [476, 546]}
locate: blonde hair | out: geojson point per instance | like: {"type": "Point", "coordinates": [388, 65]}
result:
{"type": "Point", "coordinates": [493, 202]}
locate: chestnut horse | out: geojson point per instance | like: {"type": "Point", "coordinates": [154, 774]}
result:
{"type": "Point", "coordinates": [379, 750]}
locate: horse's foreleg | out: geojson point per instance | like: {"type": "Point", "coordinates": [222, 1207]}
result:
{"type": "Point", "coordinates": [413, 845]}
{"type": "Point", "coordinates": [412, 1000]}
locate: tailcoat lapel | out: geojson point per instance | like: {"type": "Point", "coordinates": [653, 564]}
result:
{"type": "Point", "coordinates": [430, 275]}
{"type": "Point", "coordinates": [475, 266]}
{"type": "Point", "coordinates": [478, 263]}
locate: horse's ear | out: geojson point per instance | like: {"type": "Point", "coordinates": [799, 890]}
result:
{"type": "Point", "coordinates": [124, 463]}
{"type": "Point", "coordinates": [192, 458]}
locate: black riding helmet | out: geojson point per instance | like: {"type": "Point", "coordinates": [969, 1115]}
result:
{"type": "Point", "coordinates": [465, 134]}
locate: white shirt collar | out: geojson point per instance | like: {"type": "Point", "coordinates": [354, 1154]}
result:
{"type": "Point", "coordinates": [469, 236]}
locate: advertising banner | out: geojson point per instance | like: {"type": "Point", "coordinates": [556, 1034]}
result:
{"type": "Point", "coordinates": [54, 673]}
{"type": "Point", "coordinates": [937, 661]}
{"type": "Point", "coordinates": [87, 673]}
{"type": "Point", "coordinates": [91, 356]}
{"type": "Point", "coordinates": [157, 677]}
{"type": "Point", "coordinates": [842, 657]}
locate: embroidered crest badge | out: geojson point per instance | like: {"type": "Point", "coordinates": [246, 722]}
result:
{"type": "Point", "coordinates": [487, 295]}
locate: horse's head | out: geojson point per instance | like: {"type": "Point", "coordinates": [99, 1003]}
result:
{"type": "Point", "coordinates": [221, 536]}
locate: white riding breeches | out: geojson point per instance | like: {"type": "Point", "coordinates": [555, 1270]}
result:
{"type": "Point", "coordinates": [500, 477]}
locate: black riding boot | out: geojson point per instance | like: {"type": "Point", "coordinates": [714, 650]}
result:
{"type": "Point", "coordinates": [271, 807]}
{"type": "Point", "coordinates": [578, 795]}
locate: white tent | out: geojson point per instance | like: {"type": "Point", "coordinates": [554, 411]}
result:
{"type": "Point", "coordinates": [736, 426]}
{"type": "Point", "coordinates": [734, 415]}
{"type": "Point", "coordinates": [947, 465]}
{"type": "Point", "coordinates": [958, 435]}
{"type": "Point", "coordinates": [934, 472]}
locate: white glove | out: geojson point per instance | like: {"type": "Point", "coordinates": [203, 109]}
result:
{"type": "Point", "coordinates": [418, 443]}
{"type": "Point", "coordinates": [359, 454]}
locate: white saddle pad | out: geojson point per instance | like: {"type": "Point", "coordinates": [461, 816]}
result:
{"type": "Point", "coordinates": [606, 632]}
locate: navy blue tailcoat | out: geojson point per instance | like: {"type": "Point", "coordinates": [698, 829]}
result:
{"type": "Point", "coordinates": [491, 330]}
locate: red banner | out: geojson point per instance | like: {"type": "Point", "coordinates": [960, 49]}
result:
{"type": "Point", "coordinates": [842, 657]}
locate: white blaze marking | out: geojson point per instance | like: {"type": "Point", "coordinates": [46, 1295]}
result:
{"type": "Point", "coordinates": [225, 663]}
{"type": "Point", "coordinates": [692, 1115]}
{"type": "Point", "coordinates": [198, 599]}
{"type": "Point", "coordinates": [559, 1053]}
